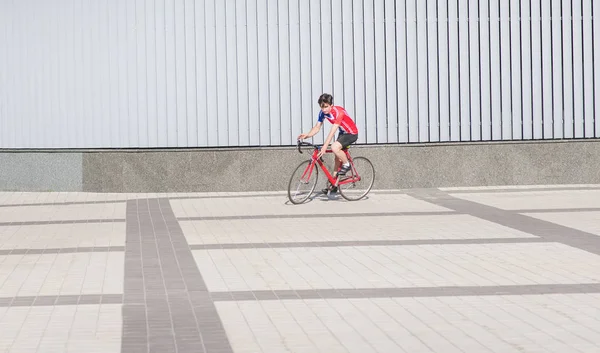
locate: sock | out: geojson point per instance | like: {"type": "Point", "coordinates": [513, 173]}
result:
{"type": "Point", "coordinates": [347, 164]}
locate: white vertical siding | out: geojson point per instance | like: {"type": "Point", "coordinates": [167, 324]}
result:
{"type": "Point", "coordinates": [188, 73]}
{"type": "Point", "coordinates": [537, 71]}
{"type": "Point", "coordinates": [547, 114]}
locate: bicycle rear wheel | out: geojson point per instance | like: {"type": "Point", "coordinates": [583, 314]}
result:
{"type": "Point", "coordinates": [356, 190]}
{"type": "Point", "coordinates": [303, 182]}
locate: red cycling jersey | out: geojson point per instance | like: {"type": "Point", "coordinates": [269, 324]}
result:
{"type": "Point", "coordinates": [339, 115]}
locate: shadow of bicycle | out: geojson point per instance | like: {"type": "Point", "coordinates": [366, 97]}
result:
{"type": "Point", "coordinates": [322, 197]}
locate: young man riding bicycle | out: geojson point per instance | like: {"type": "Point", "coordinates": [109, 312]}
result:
{"type": "Point", "coordinates": [348, 133]}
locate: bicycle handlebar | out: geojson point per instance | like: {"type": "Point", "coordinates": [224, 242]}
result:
{"type": "Point", "coordinates": [302, 143]}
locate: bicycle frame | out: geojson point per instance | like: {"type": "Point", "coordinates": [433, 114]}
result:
{"type": "Point", "coordinates": [314, 160]}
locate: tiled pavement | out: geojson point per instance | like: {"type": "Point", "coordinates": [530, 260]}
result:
{"type": "Point", "coordinates": [497, 270]}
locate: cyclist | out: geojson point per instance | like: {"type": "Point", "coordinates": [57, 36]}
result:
{"type": "Point", "coordinates": [348, 133]}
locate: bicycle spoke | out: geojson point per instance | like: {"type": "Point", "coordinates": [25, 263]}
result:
{"type": "Point", "coordinates": [362, 177]}
{"type": "Point", "coordinates": [303, 180]}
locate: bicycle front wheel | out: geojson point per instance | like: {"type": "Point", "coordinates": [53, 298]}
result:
{"type": "Point", "coordinates": [362, 175]}
{"type": "Point", "coordinates": [303, 182]}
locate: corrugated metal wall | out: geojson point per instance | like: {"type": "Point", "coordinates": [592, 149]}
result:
{"type": "Point", "coordinates": [154, 73]}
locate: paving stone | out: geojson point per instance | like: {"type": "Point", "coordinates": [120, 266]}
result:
{"type": "Point", "coordinates": [458, 270]}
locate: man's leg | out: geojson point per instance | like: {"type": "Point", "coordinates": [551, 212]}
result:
{"type": "Point", "coordinates": [343, 141]}
{"type": "Point", "coordinates": [341, 158]}
{"type": "Point", "coordinates": [334, 174]}
{"type": "Point", "coordinates": [340, 155]}
{"type": "Point", "coordinates": [336, 147]}
{"type": "Point", "coordinates": [336, 165]}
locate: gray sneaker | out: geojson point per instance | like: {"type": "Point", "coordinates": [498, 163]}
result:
{"type": "Point", "coordinates": [344, 170]}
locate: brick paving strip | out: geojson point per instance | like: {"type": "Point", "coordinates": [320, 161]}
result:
{"type": "Point", "coordinates": [167, 306]}
{"type": "Point", "coordinates": [44, 300]}
{"type": "Point", "coordinates": [353, 243]}
{"type": "Point", "coordinates": [71, 221]}
{"type": "Point", "coordinates": [83, 249]}
{"type": "Point", "coordinates": [66, 203]}
{"type": "Point", "coordinates": [524, 189]}
{"type": "Point", "coordinates": [543, 229]}
{"type": "Point", "coordinates": [412, 292]}
{"type": "Point", "coordinates": [304, 294]}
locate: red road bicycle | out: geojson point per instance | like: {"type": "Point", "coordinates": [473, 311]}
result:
{"type": "Point", "coordinates": [353, 186]}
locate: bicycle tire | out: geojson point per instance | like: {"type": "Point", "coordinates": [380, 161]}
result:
{"type": "Point", "coordinates": [350, 197]}
{"type": "Point", "coordinates": [295, 178]}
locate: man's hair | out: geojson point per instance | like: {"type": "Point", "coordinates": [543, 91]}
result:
{"type": "Point", "coordinates": [326, 98]}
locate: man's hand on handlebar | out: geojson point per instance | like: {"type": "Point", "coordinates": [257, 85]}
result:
{"type": "Point", "coordinates": [302, 136]}
{"type": "Point", "coordinates": [302, 143]}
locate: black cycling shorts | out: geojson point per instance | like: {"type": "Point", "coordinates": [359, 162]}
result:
{"type": "Point", "coordinates": [347, 139]}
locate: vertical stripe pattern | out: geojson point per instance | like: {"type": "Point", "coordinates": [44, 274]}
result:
{"type": "Point", "coordinates": [208, 73]}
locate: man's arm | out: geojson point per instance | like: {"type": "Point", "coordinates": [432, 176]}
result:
{"type": "Point", "coordinates": [315, 129]}
{"type": "Point", "coordinates": [334, 127]}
